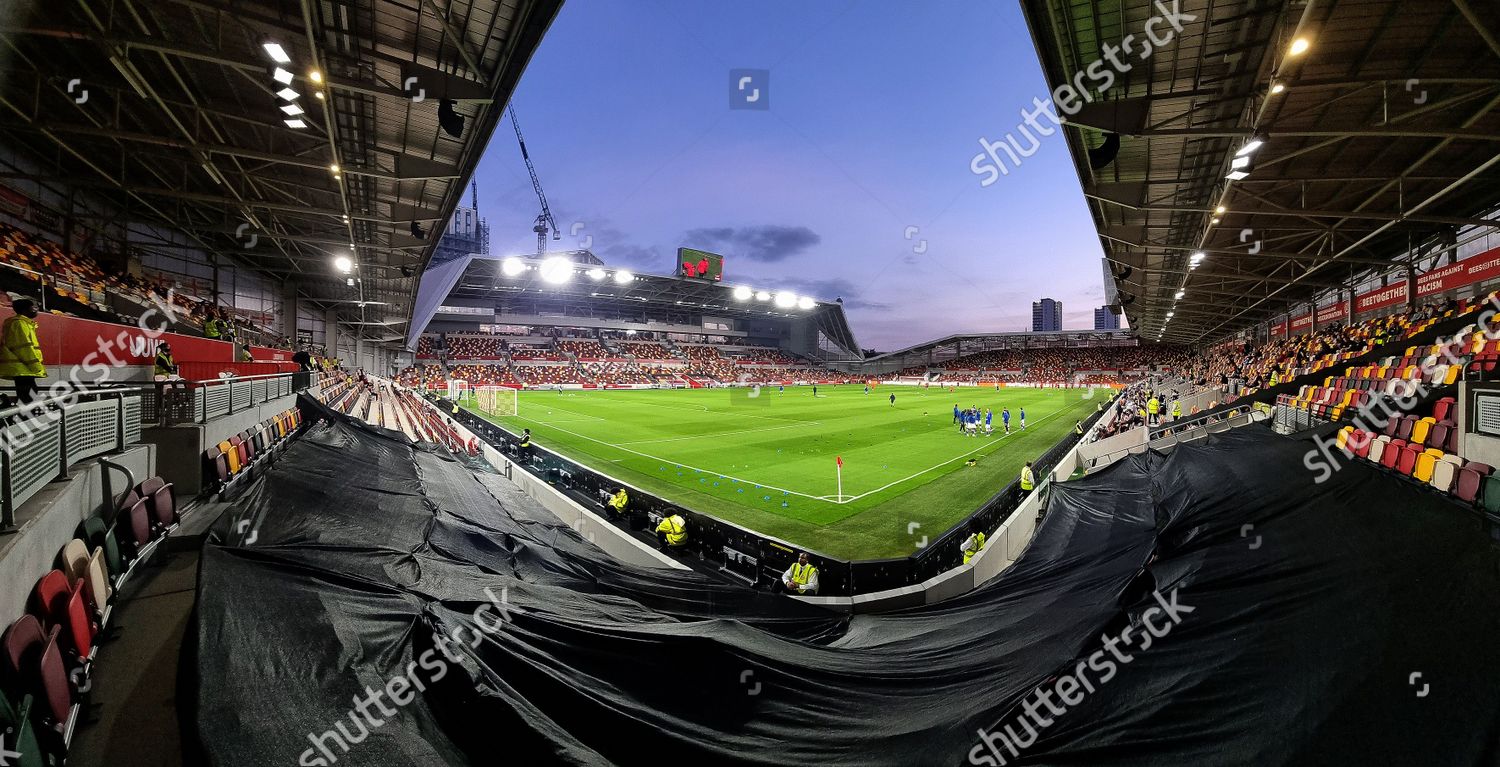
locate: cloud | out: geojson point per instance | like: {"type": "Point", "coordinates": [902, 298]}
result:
{"type": "Point", "coordinates": [767, 243]}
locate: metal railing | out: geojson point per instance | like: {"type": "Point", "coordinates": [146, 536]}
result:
{"type": "Point", "coordinates": [169, 403]}
{"type": "Point", "coordinates": [40, 440]}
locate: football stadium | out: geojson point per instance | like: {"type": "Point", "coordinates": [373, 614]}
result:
{"type": "Point", "coordinates": [331, 434]}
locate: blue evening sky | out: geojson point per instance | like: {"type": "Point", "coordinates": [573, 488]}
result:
{"type": "Point", "coordinates": [875, 109]}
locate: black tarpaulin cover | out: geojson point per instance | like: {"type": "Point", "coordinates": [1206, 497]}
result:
{"type": "Point", "coordinates": [1350, 622]}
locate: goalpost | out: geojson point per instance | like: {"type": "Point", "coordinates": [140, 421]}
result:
{"type": "Point", "coordinates": [458, 389]}
{"type": "Point", "coordinates": [496, 400]}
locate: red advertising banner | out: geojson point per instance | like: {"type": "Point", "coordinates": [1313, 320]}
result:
{"type": "Point", "coordinates": [1301, 323]}
{"type": "Point", "coordinates": [1485, 266]}
{"type": "Point", "coordinates": [1381, 298]}
{"type": "Point", "coordinates": [1333, 313]}
{"type": "Point", "coordinates": [76, 341]}
{"type": "Point", "coordinates": [1279, 329]}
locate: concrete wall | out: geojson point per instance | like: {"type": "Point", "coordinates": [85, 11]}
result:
{"type": "Point", "coordinates": [49, 519]}
{"type": "Point", "coordinates": [181, 447]}
{"type": "Point", "coordinates": [614, 541]}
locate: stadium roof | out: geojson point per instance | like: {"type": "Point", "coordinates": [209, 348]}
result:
{"type": "Point", "coordinates": [1015, 340]}
{"type": "Point", "coordinates": [1380, 136]}
{"type": "Point", "coordinates": [173, 111]}
{"type": "Point", "coordinates": [591, 288]}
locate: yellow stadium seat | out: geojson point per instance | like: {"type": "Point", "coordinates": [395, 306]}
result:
{"type": "Point", "coordinates": [232, 456]}
{"type": "Point", "coordinates": [1419, 431]}
{"type": "Point", "coordinates": [1425, 464]}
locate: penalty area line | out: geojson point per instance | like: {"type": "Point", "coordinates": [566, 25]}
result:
{"type": "Point", "coordinates": [674, 463]}
{"type": "Point", "coordinates": [996, 443]}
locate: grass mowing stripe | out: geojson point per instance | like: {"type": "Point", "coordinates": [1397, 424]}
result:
{"type": "Point", "coordinates": [723, 434]}
{"type": "Point", "coordinates": [991, 446]}
{"type": "Point", "coordinates": [665, 460]}
{"type": "Point", "coordinates": [908, 460]}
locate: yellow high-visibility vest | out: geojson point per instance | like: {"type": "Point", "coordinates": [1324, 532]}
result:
{"type": "Point", "coordinates": [676, 529]}
{"type": "Point", "coordinates": [21, 353]}
{"type": "Point", "coordinates": [978, 547]}
{"type": "Point", "coordinates": [1027, 481]}
{"type": "Point", "coordinates": [802, 574]}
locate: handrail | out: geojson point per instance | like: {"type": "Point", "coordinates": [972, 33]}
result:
{"type": "Point", "coordinates": [27, 408]}
{"type": "Point", "coordinates": [40, 440]}
{"type": "Point", "coordinates": [233, 379]}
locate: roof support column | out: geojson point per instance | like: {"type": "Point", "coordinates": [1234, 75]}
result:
{"type": "Point", "coordinates": [289, 309]}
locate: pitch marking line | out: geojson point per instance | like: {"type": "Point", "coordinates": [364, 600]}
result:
{"type": "Point", "coordinates": [664, 460]}
{"type": "Point", "coordinates": [852, 498]}
{"type": "Point", "coordinates": [847, 498]}
{"type": "Point", "coordinates": [706, 409]}
{"type": "Point", "coordinates": [723, 434]}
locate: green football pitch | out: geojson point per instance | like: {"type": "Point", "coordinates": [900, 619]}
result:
{"type": "Point", "coordinates": [767, 462]}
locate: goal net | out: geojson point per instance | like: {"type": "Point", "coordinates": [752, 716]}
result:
{"type": "Point", "coordinates": [495, 400]}
{"type": "Point", "coordinates": [458, 389]}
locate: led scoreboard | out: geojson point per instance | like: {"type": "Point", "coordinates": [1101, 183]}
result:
{"type": "Point", "coordinates": [700, 264]}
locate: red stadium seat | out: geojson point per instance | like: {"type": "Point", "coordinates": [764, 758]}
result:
{"type": "Point", "coordinates": [160, 499]}
{"type": "Point", "coordinates": [1476, 472]}
{"type": "Point", "coordinates": [1407, 462]}
{"type": "Point", "coordinates": [1392, 453]}
{"type": "Point", "coordinates": [1443, 408]}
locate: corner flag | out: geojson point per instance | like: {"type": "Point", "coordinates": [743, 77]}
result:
{"type": "Point", "coordinates": [840, 461]}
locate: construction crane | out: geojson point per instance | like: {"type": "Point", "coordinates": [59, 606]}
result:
{"type": "Point", "coordinates": [544, 220]}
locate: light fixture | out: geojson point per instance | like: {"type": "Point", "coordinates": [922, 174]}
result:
{"type": "Point", "coordinates": [315, 76]}
{"type": "Point", "coordinates": [1253, 144]}
{"type": "Point", "coordinates": [318, 95]}
{"type": "Point", "coordinates": [295, 124]}
{"type": "Point", "coordinates": [1240, 163]}
{"type": "Point", "coordinates": [343, 264]}
{"type": "Point", "coordinates": [1169, 315]}
{"type": "Point", "coordinates": [743, 293]}
{"type": "Point", "coordinates": [629, 331]}
{"type": "Point", "coordinates": [349, 282]}
{"type": "Point", "coordinates": [288, 94]}
{"type": "Point", "coordinates": [1198, 256]}
{"type": "Point", "coordinates": [346, 217]}
{"type": "Point", "coordinates": [1179, 295]}
{"type": "Point", "coordinates": [805, 303]}
{"type": "Point", "coordinates": [512, 266]}
{"type": "Point", "coordinates": [1299, 47]}
{"type": "Point", "coordinates": [291, 109]}
{"type": "Point", "coordinates": [786, 299]}
{"type": "Point", "coordinates": [1277, 88]}
{"type": "Point", "coordinates": [762, 296]}
{"type": "Point", "coordinates": [334, 167]}
{"type": "Point", "coordinates": [556, 270]}
{"type": "Point", "coordinates": [1221, 210]}
{"type": "Point", "coordinates": [1214, 220]}
{"type": "Point", "coordinates": [282, 76]}
{"type": "Point", "coordinates": [1236, 175]}
{"type": "Point", "coordinates": [596, 274]}
{"type": "Point", "coordinates": [277, 53]}
{"type": "Point", "coordinates": [623, 277]}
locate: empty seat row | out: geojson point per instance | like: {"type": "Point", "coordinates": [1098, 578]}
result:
{"type": "Point", "coordinates": [1440, 469]}
{"type": "Point", "coordinates": [47, 655]}
{"type": "Point", "coordinates": [234, 457]}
